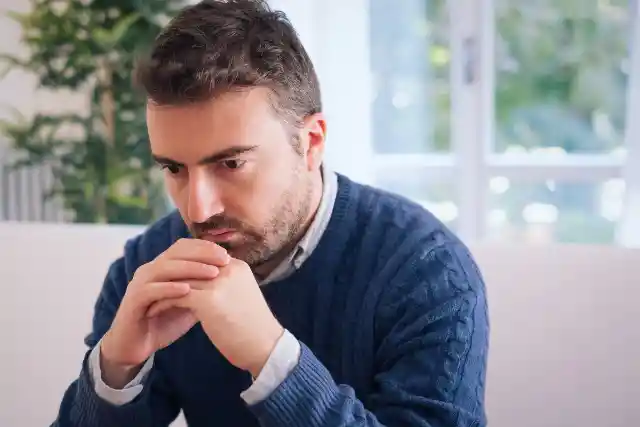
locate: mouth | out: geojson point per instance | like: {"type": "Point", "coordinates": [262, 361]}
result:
{"type": "Point", "coordinates": [219, 235]}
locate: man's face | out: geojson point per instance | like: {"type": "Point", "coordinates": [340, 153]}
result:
{"type": "Point", "coordinates": [232, 171]}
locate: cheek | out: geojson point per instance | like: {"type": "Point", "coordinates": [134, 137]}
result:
{"type": "Point", "coordinates": [257, 195]}
{"type": "Point", "coordinates": [278, 179]}
{"type": "Point", "coordinates": [250, 196]}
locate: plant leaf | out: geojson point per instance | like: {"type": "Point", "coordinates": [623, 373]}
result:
{"type": "Point", "coordinates": [108, 39]}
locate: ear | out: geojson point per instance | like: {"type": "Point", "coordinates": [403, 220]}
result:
{"type": "Point", "coordinates": [313, 136]}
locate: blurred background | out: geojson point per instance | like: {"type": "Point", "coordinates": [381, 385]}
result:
{"type": "Point", "coordinates": [516, 122]}
{"type": "Point", "coordinates": [511, 120]}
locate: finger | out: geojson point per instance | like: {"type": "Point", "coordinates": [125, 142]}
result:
{"type": "Point", "coordinates": [167, 270]}
{"type": "Point", "coordinates": [200, 285]}
{"type": "Point", "coordinates": [161, 306]}
{"type": "Point", "coordinates": [199, 251]}
{"type": "Point", "coordinates": [158, 291]}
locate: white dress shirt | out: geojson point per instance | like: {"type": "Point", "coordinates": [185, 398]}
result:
{"type": "Point", "coordinates": [284, 357]}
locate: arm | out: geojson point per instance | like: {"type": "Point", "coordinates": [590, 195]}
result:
{"type": "Point", "coordinates": [432, 331]}
{"type": "Point", "coordinates": [81, 406]}
{"type": "Point", "coordinates": [280, 364]}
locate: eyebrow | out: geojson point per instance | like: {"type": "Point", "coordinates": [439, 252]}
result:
{"type": "Point", "coordinates": [213, 158]}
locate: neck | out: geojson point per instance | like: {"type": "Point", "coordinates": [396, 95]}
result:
{"type": "Point", "coordinates": [264, 269]}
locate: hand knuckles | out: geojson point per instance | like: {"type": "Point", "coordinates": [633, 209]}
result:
{"type": "Point", "coordinates": [180, 245]}
{"type": "Point", "coordinates": [237, 263]}
{"type": "Point", "coordinates": [241, 265]}
{"type": "Point", "coordinates": [182, 241]}
{"type": "Point", "coordinates": [142, 272]}
{"type": "Point", "coordinates": [216, 298]}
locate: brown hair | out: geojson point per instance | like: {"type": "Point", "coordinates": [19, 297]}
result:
{"type": "Point", "coordinates": [216, 46]}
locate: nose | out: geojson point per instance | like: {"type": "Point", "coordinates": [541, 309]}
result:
{"type": "Point", "coordinates": [204, 197]}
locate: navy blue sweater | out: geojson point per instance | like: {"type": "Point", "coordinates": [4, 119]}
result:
{"type": "Point", "coordinates": [390, 311]}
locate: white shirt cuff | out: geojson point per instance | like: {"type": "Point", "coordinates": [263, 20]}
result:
{"type": "Point", "coordinates": [282, 361]}
{"type": "Point", "coordinates": [111, 395]}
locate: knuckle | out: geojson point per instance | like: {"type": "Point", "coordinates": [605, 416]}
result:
{"type": "Point", "coordinates": [205, 269]}
{"type": "Point", "coordinates": [178, 244]}
{"type": "Point", "coordinates": [240, 264]}
{"type": "Point", "coordinates": [216, 297]}
{"type": "Point", "coordinates": [145, 272]}
{"type": "Point", "coordinates": [140, 273]}
{"type": "Point", "coordinates": [182, 241]}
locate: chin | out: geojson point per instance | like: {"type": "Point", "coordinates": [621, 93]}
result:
{"type": "Point", "coordinates": [251, 257]}
{"type": "Point", "coordinates": [239, 251]}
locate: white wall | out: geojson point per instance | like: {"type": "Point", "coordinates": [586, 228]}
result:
{"type": "Point", "coordinates": [565, 347]}
{"type": "Point", "coordinates": [565, 342]}
{"type": "Point", "coordinates": [49, 287]}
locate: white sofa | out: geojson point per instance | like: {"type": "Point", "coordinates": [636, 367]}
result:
{"type": "Point", "coordinates": [565, 341]}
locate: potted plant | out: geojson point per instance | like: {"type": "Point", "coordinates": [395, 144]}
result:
{"type": "Point", "coordinates": [100, 159]}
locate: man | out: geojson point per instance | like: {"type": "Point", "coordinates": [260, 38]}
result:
{"type": "Point", "coordinates": [281, 294]}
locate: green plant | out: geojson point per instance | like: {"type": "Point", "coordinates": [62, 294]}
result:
{"type": "Point", "coordinates": [100, 159]}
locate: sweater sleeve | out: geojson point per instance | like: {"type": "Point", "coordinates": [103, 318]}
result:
{"type": "Point", "coordinates": [432, 328]}
{"type": "Point", "coordinates": [82, 407]}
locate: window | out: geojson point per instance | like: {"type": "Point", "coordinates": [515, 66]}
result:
{"type": "Point", "coordinates": [410, 57]}
{"type": "Point", "coordinates": [561, 76]}
{"type": "Point", "coordinates": [550, 210]}
{"type": "Point", "coordinates": [506, 118]}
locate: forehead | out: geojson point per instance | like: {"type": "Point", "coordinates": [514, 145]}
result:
{"type": "Point", "coordinates": [232, 119]}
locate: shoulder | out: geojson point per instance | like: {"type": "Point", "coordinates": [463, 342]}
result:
{"type": "Point", "coordinates": [430, 313]}
{"type": "Point", "coordinates": [407, 230]}
{"type": "Point", "coordinates": [416, 251]}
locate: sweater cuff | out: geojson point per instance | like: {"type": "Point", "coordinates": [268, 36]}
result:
{"type": "Point", "coordinates": [281, 362]}
{"type": "Point", "coordinates": [117, 396]}
{"type": "Point", "coordinates": [302, 399]}
{"type": "Point", "coordinates": [89, 406]}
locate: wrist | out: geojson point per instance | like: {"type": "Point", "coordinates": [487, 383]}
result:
{"type": "Point", "coordinates": [114, 373]}
{"type": "Point", "coordinates": [269, 342]}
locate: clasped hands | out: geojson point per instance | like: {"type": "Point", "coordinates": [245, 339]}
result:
{"type": "Point", "coordinates": [192, 281]}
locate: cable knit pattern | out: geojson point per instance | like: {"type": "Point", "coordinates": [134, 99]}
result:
{"type": "Point", "coordinates": [390, 310]}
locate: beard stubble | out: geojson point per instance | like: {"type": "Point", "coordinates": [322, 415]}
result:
{"type": "Point", "coordinates": [284, 227]}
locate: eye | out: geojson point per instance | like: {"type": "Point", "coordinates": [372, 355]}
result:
{"type": "Point", "coordinates": [172, 169]}
{"type": "Point", "coordinates": [233, 164]}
